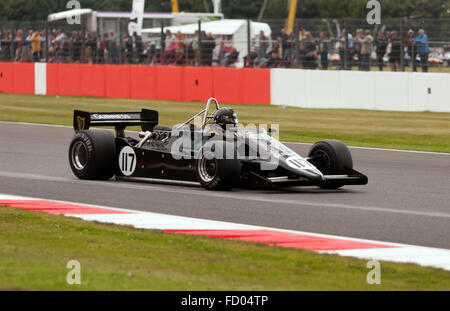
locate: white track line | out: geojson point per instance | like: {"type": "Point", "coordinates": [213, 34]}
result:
{"type": "Point", "coordinates": [376, 149]}
{"type": "Point", "coordinates": [287, 142]}
{"type": "Point", "coordinates": [231, 195]}
{"type": "Point", "coordinates": [35, 124]}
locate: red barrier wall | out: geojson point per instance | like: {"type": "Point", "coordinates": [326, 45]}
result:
{"type": "Point", "coordinates": [227, 84]}
{"type": "Point", "coordinates": [117, 81]}
{"type": "Point", "coordinates": [6, 77]}
{"type": "Point", "coordinates": [92, 80]}
{"type": "Point", "coordinates": [69, 79]}
{"type": "Point", "coordinates": [23, 78]}
{"type": "Point", "coordinates": [53, 79]}
{"type": "Point", "coordinates": [255, 85]}
{"type": "Point", "coordinates": [178, 83]}
{"type": "Point", "coordinates": [169, 83]}
{"type": "Point", "coordinates": [244, 85]}
{"type": "Point", "coordinates": [143, 82]}
{"type": "Point", "coordinates": [198, 83]}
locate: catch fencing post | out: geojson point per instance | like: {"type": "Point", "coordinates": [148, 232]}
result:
{"type": "Point", "coordinates": [71, 49]}
{"type": "Point", "coordinates": [199, 45]}
{"type": "Point", "coordinates": [296, 43]}
{"type": "Point", "coordinates": [46, 42]}
{"type": "Point", "coordinates": [83, 35]}
{"type": "Point", "coordinates": [163, 45]}
{"type": "Point", "coordinates": [12, 56]}
{"type": "Point", "coordinates": [346, 46]}
{"type": "Point", "coordinates": [248, 43]}
{"type": "Point", "coordinates": [402, 47]}
{"type": "Point", "coordinates": [119, 35]}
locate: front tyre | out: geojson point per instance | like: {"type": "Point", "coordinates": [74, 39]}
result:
{"type": "Point", "coordinates": [92, 155]}
{"type": "Point", "coordinates": [214, 171]}
{"type": "Point", "coordinates": [331, 157]}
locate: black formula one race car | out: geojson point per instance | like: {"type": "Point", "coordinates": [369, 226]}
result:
{"type": "Point", "coordinates": [212, 149]}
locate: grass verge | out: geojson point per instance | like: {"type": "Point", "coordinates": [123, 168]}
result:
{"type": "Point", "coordinates": [35, 248]}
{"type": "Point", "coordinates": [428, 131]}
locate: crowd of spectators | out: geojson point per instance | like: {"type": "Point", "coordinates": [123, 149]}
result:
{"type": "Point", "coordinates": [198, 49]}
{"type": "Point", "coordinates": [362, 50]}
{"type": "Point", "coordinates": [21, 45]}
{"type": "Point", "coordinates": [303, 50]}
{"type": "Point", "coordinates": [93, 48]}
{"type": "Point", "coordinates": [79, 46]}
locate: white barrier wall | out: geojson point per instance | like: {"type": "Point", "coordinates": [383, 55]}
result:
{"type": "Point", "coordinates": [40, 78]}
{"type": "Point", "coordinates": [398, 91]}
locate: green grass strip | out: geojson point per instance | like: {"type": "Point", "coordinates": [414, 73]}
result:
{"type": "Point", "coordinates": [35, 248]}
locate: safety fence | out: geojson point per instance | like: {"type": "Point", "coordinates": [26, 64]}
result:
{"type": "Point", "coordinates": [313, 44]}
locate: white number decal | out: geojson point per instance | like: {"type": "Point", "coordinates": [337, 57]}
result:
{"type": "Point", "coordinates": [127, 161]}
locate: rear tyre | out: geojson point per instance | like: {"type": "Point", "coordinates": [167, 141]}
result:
{"type": "Point", "coordinates": [331, 157]}
{"type": "Point", "coordinates": [92, 155]}
{"type": "Point", "coordinates": [214, 171]}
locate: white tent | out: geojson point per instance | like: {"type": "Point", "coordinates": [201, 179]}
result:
{"type": "Point", "coordinates": [235, 27]}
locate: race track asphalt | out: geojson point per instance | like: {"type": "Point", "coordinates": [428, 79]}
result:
{"type": "Point", "coordinates": [407, 199]}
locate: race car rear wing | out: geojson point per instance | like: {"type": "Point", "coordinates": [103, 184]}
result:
{"type": "Point", "coordinates": [83, 120]}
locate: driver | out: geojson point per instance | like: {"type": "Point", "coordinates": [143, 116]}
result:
{"type": "Point", "coordinates": [224, 116]}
